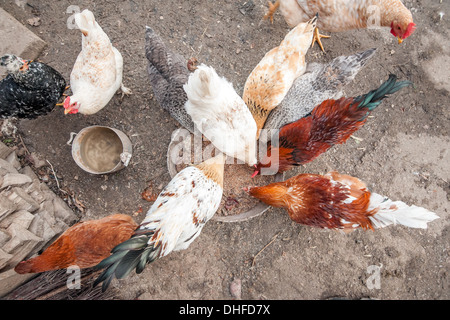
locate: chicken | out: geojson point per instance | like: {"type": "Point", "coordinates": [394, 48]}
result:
{"type": "Point", "coordinates": [173, 222]}
{"type": "Point", "coordinates": [331, 122]}
{"type": "Point", "coordinates": [30, 89]}
{"type": "Point", "coordinates": [340, 202]}
{"type": "Point", "coordinates": [320, 82]}
{"type": "Point", "coordinates": [168, 72]}
{"type": "Point", "coordinates": [343, 15]}
{"type": "Point", "coordinates": [272, 78]}
{"type": "Point", "coordinates": [97, 73]}
{"type": "Point", "coordinates": [84, 244]}
{"type": "Point", "coordinates": [220, 114]}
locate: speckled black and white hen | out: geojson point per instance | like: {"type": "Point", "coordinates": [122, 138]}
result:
{"type": "Point", "coordinates": [30, 89]}
{"type": "Point", "coordinates": [168, 72]}
{"type": "Point", "coordinates": [320, 82]}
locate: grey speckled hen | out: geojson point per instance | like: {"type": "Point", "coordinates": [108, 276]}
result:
{"type": "Point", "coordinates": [30, 89]}
{"type": "Point", "coordinates": [168, 73]}
{"type": "Point", "coordinates": [320, 82]}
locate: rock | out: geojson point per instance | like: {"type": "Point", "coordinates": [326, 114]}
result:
{"type": "Point", "coordinates": [29, 172]}
{"type": "Point", "coordinates": [8, 127]}
{"type": "Point", "coordinates": [21, 199]}
{"type": "Point", "coordinates": [4, 238]}
{"type": "Point", "coordinates": [45, 226]}
{"type": "Point", "coordinates": [10, 280]}
{"type": "Point", "coordinates": [4, 258]}
{"type": "Point", "coordinates": [63, 212]}
{"type": "Point", "coordinates": [21, 217]}
{"type": "Point", "coordinates": [4, 150]}
{"type": "Point", "coordinates": [35, 191]}
{"type": "Point", "coordinates": [21, 244]}
{"type": "Point", "coordinates": [12, 159]}
{"type": "Point", "coordinates": [236, 289]}
{"type": "Point", "coordinates": [38, 162]}
{"type": "Point", "coordinates": [14, 179]}
{"type": "Point", "coordinates": [35, 22]}
{"type": "Point", "coordinates": [7, 166]}
{"type": "Point", "coordinates": [6, 207]}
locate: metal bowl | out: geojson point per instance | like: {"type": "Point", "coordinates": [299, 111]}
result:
{"type": "Point", "coordinates": [101, 150]}
{"type": "Point", "coordinates": [181, 138]}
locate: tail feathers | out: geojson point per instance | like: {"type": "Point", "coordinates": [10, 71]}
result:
{"type": "Point", "coordinates": [372, 99]}
{"type": "Point", "coordinates": [134, 253]}
{"type": "Point", "coordinates": [202, 84]}
{"type": "Point", "coordinates": [397, 212]}
{"type": "Point", "coordinates": [342, 70]}
{"type": "Point", "coordinates": [156, 51]}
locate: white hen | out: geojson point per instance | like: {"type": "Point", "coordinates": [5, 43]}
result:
{"type": "Point", "coordinates": [220, 114]}
{"type": "Point", "coordinates": [97, 73]}
{"type": "Point", "coordinates": [173, 222]}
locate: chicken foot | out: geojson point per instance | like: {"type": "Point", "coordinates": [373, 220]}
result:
{"type": "Point", "coordinates": [125, 90]}
{"type": "Point", "coordinates": [272, 8]}
{"type": "Point", "coordinates": [316, 38]}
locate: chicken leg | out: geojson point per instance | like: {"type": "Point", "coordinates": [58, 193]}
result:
{"type": "Point", "coordinates": [316, 38]}
{"type": "Point", "coordinates": [272, 8]}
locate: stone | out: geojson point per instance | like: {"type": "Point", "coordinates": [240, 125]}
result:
{"type": "Point", "coordinates": [45, 226]}
{"type": "Point", "coordinates": [4, 149]}
{"type": "Point", "coordinates": [12, 159]}
{"type": "Point", "coordinates": [21, 217]}
{"type": "Point", "coordinates": [29, 172]}
{"type": "Point", "coordinates": [21, 199]}
{"type": "Point", "coordinates": [5, 165]}
{"type": "Point", "coordinates": [63, 212]}
{"type": "Point", "coordinates": [21, 244]}
{"type": "Point", "coordinates": [4, 238]}
{"type": "Point", "coordinates": [10, 280]}
{"type": "Point", "coordinates": [38, 162]}
{"type": "Point", "coordinates": [14, 179]}
{"type": "Point", "coordinates": [6, 207]}
{"type": "Point", "coordinates": [4, 258]}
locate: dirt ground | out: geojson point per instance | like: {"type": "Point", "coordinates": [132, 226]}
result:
{"type": "Point", "coordinates": [404, 153]}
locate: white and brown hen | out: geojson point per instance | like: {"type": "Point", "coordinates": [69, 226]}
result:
{"type": "Point", "coordinates": [343, 15]}
{"type": "Point", "coordinates": [97, 73]}
{"type": "Point", "coordinates": [173, 222]}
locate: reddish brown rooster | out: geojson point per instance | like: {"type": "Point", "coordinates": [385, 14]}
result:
{"type": "Point", "coordinates": [84, 244]}
{"type": "Point", "coordinates": [331, 122]}
{"type": "Point", "coordinates": [337, 201]}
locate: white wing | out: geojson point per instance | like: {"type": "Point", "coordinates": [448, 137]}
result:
{"type": "Point", "coordinates": [182, 209]}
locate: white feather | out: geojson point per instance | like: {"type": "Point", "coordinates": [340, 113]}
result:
{"type": "Point", "coordinates": [398, 212]}
{"type": "Point", "coordinates": [189, 193]}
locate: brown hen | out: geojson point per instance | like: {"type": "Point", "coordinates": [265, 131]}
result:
{"type": "Point", "coordinates": [84, 244]}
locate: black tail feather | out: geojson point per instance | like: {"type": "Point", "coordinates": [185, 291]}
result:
{"type": "Point", "coordinates": [372, 99]}
{"type": "Point", "coordinates": [130, 254]}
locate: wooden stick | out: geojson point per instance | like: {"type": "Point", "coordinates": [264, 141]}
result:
{"type": "Point", "coordinates": [271, 241]}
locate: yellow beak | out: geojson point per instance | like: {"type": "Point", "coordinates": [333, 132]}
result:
{"type": "Point", "coordinates": [66, 111]}
{"type": "Point", "coordinates": [400, 40]}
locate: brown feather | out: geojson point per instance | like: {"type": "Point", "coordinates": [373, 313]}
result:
{"type": "Point", "coordinates": [84, 244]}
{"type": "Point", "coordinates": [316, 200]}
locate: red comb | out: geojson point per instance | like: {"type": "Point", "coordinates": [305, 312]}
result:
{"type": "Point", "coordinates": [409, 30]}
